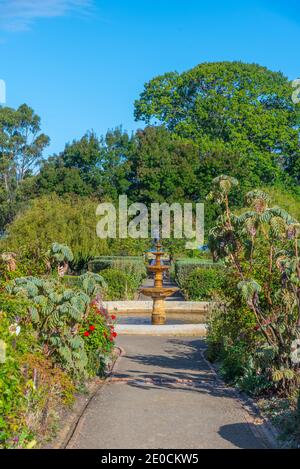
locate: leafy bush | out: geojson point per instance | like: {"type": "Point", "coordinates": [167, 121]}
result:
{"type": "Point", "coordinates": [135, 270]}
{"type": "Point", "coordinates": [120, 286]}
{"type": "Point", "coordinates": [30, 386]}
{"type": "Point", "coordinates": [12, 398]}
{"type": "Point", "coordinates": [45, 351]}
{"type": "Point", "coordinates": [54, 312]}
{"type": "Point", "coordinates": [60, 253]}
{"type": "Point", "coordinates": [123, 275]}
{"type": "Point", "coordinates": [191, 283]}
{"type": "Point", "coordinates": [104, 262]}
{"type": "Point", "coordinates": [260, 248]}
{"type": "Point", "coordinates": [183, 267]}
{"type": "Point", "coordinates": [202, 284]}
{"type": "Point", "coordinates": [52, 219]}
{"type": "Point", "coordinates": [97, 331]}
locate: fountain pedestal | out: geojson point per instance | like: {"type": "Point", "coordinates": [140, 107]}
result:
{"type": "Point", "coordinates": [158, 292]}
{"type": "Point", "coordinates": [158, 312]}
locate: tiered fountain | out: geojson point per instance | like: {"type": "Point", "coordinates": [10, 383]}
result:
{"type": "Point", "coordinates": [158, 292]}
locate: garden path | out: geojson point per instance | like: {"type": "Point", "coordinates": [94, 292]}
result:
{"type": "Point", "coordinates": [163, 394]}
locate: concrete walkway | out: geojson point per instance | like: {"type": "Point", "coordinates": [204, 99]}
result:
{"type": "Point", "coordinates": [164, 395]}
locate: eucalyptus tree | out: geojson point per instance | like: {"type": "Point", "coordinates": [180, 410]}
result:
{"type": "Point", "coordinates": [21, 148]}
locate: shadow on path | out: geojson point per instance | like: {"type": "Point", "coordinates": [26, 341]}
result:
{"type": "Point", "coordinates": [234, 433]}
{"type": "Point", "coordinates": [185, 405]}
{"type": "Point", "coordinates": [179, 366]}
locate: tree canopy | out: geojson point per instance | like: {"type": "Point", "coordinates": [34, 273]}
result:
{"type": "Point", "coordinates": [218, 118]}
{"type": "Point", "coordinates": [236, 106]}
{"type": "Point", "coordinates": [21, 147]}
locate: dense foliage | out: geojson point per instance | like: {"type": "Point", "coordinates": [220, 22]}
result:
{"type": "Point", "coordinates": [229, 107]}
{"type": "Point", "coordinates": [120, 285]}
{"type": "Point", "coordinates": [53, 337]}
{"type": "Point", "coordinates": [184, 267]}
{"type": "Point", "coordinates": [227, 117]}
{"type": "Point", "coordinates": [260, 249]}
{"type": "Point", "coordinates": [21, 147]}
{"type": "Point", "coordinates": [218, 118]}
{"type": "Point", "coordinates": [67, 220]}
{"type": "Point", "coordinates": [201, 284]}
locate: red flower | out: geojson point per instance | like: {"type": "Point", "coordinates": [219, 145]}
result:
{"type": "Point", "coordinates": [113, 317]}
{"type": "Point", "coordinates": [86, 334]}
{"type": "Point", "coordinates": [92, 328]}
{"type": "Point", "coordinates": [256, 328]}
{"type": "Point", "coordinates": [114, 334]}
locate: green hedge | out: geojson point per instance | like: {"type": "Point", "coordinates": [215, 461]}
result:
{"type": "Point", "coordinates": [201, 283]}
{"type": "Point", "coordinates": [104, 262]}
{"type": "Point", "coordinates": [120, 286]}
{"type": "Point", "coordinates": [197, 278]}
{"type": "Point", "coordinates": [183, 267]}
{"type": "Point", "coordinates": [71, 281]}
{"type": "Point", "coordinates": [133, 267]}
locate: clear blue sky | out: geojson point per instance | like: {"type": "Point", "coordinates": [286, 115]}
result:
{"type": "Point", "coordinates": [81, 63]}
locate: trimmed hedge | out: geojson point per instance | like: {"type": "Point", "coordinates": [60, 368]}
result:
{"type": "Point", "coordinates": [197, 278]}
{"type": "Point", "coordinates": [183, 267]}
{"type": "Point", "coordinates": [104, 262]}
{"type": "Point", "coordinates": [201, 283]}
{"type": "Point", "coordinates": [120, 286]}
{"type": "Point", "coordinates": [133, 268]}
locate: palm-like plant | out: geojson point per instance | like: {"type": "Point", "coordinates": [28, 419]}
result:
{"type": "Point", "coordinates": [262, 246]}
{"type": "Point", "coordinates": [222, 238]}
{"type": "Point", "coordinates": [55, 311]}
{"type": "Point", "coordinates": [60, 255]}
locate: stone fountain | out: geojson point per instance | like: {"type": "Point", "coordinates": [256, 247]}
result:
{"type": "Point", "coordinates": [158, 292]}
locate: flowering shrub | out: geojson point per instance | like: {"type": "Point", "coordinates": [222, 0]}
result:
{"type": "Point", "coordinates": [98, 334]}
{"type": "Point", "coordinates": [52, 339]}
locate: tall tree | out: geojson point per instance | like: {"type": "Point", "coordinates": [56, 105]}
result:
{"type": "Point", "coordinates": [163, 167]}
{"type": "Point", "coordinates": [240, 107]}
{"type": "Point", "coordinates": [21, 147]}
{"type": "Point", "coordinates": [88, 166]}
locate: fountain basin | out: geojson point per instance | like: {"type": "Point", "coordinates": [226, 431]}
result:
{"type": "Point", "coordinates": [184, 318]}
{"type": "Point", "coordinates": [143, 319]}
{"type": "Point", "coordinates": [158, 292]}
{"type": "Point", "coordinates": [145, 306]}
{"type": "Point", "coordinates": [157, 268]}
{"type": "Point", "coordinates": [176, 330]}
